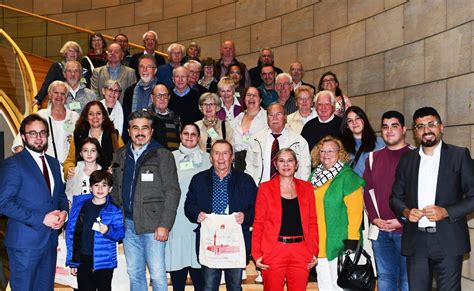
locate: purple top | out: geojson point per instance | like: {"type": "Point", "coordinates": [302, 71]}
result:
{"type": "Point", "coordinates": [222, 115]}
{"type": "Point", "coordinates": [381, 178]}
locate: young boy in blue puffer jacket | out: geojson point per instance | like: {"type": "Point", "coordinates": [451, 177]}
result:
{"type": "Point", "coordinates": [94, 227]}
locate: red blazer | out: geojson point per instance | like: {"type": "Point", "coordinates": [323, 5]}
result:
{"type": "Point", "coordinates": [267, 222]}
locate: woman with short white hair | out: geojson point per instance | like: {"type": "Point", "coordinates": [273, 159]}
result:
{"type": "Point", "coordinates": [210, 126]}
{"type": "Point", "coordinates": [111, 92]}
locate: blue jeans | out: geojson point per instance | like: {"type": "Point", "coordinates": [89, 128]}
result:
{"type": "Point", "coordinates": [391, 264]}
{"type": "Point", "coordinates": [212, 279]}
{"type": "Point", "coordinates": [141, 250]}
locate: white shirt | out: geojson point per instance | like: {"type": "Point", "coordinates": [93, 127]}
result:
{"type": "Point", "coordinates": [327, 120]}
{"type": "Point", "coordinates": [427, 181]}
{"type": "Point", "coordinates": [241, 139]}
{"type": "Point", "coordinates": [296, 85]}
{"type": "Point", "coordinates": [39, 162]}
{"type": "Point", "coordinates": [283, 142]}
{"type": "Point", "coordinates": [229, 114]}
{"type": "Point", "coordinates": [73, 91]}
{"type": "Point", "coordinates": [116, 116]}
{"type": "Point", "coordinates": [312, 115]}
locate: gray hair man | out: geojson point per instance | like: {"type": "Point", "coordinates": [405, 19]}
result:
{"type": "Point", "coordinates": [78, 95]}
{"type": "Point", "coordinates": [222, 190]}
{"type": "Point", "coordinates": [148, 192]}
{"type": "Point", "coordinates": [113, 70]}
{"type": "Point", "coordinates": [284, 89]}
{"type": "Point", "coordinates": [165, 72]}
{"type": "Point", "coordinates": [265, 143]}
{"type": "Point", "coordinates": [266, 58]}
{"type": "Point", "coordinates": [150, 42]}
{"type": "Point", "coordinates": [326, 123]}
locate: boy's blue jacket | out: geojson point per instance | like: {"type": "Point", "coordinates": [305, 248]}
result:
{"type": "Point", "coordinates": [105, 245]}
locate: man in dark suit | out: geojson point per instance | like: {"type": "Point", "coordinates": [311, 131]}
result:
{"type": "Point", "coordinates": [433, 192]}
{"type": "Point", "coordinates": [150, 42]}
{"type": "Point", "coordinates": [222, 190]}
{"type": "Point", "coordinates": [32, 197]}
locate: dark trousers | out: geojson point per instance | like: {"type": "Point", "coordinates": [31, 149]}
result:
{"type": "Point", "coordinates": [32, 269]}
{"type": "Point", "coordinates": [429, 257]}
{"type": "Point", "coordinates": [90, 280]}
{"type": "Point", "coordinates": [178, 279]}
{"type": "Point", "coordinates": [212, 279]}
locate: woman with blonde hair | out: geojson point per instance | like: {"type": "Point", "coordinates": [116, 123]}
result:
{"type": "Point", "coordinates": [71, 51]}
{"type": "Point", "coordinates": [231, 105]}
{"type": "Point", "coordinates": [339, 206]}
{"type": "Point", "coordinates": [285, 233]}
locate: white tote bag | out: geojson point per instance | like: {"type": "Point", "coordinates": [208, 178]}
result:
{"type": "Point", "coordinates": [63, 274]}
{"type": "Point", "coordinates": [222, 243]}
{"type": "Point", "coordinates": [373, 229]}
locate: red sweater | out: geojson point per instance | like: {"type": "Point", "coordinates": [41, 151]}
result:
{"type": "Point", "coordinates": [381, 178]}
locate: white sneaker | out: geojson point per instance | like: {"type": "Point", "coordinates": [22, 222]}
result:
{"type": "Point", "coordinates": [259, 278]}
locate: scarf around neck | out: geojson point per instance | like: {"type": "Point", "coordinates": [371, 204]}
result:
{"type": "Point", "coordinates": [194, 154]}
{"type": "Point", "coordinates": [320, 176]}
{"type": "Point", "coordinates": [142, 95]}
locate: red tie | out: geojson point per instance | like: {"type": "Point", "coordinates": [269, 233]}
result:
{"type": "Point", "coordinates": [275, 149]}
{"type": "Point", "coordinates": [46, 173]}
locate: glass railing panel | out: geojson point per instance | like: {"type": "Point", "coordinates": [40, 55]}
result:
{"type": "Point", "coordinates": [11, 76]}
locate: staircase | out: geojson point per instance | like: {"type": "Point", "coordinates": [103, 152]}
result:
{"type": "Point", "coordinates": [247, 284]}
{"type": "Point", "coordinates": [40, 67]}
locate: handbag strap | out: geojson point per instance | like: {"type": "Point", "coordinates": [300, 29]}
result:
{"type": "Point", "coordinates": [341, 260]}
{"type": "Point", "coordinates": [358, 251]}
{"type": "Point", "coordinates": [52, 137]}
{"type": "Point", "coordinates": [356, 157]}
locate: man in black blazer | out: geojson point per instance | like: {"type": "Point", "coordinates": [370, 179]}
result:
{"type": "Point", "coordinates": [433, 192]}
{"type": "Point", "coordinates": [150, 42]}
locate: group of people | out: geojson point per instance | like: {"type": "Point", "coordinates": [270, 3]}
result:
{"type": "Point", "coordinates": [294, 165]}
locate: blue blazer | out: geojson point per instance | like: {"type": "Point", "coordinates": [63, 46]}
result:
{"type": "Point", "coordinates": [242, 196]}
{"type": "Point", "coordinates": [25, 199]}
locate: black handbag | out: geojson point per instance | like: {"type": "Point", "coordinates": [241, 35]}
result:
{"type": "Point", "coordinates": [351, 275]}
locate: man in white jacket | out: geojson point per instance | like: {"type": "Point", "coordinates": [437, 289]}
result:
{"type": "Point", "coordinates": [259, 154]}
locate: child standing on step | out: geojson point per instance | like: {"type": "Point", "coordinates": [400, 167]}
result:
{"type": "Point", "coordinates": [95, 226]}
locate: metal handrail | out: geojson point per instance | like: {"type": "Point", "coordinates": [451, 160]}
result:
{"type": "Point", "coordinates": [13, 114]}
{"type": "Point", "coordinates": [27, 75]}
{"type": "Point", "coordinates": [73, 26]}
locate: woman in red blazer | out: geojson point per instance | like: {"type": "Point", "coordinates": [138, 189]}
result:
{"type": "Point", "coordinates": [285, 230]}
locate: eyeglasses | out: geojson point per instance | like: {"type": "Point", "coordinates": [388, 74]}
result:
{"type": "Point", "coordinates": [329, 81]}
{"type": "Point", "coordinates": [252, 95]}
{"type": "Point", "coordinates": [430, 125]}
{"type": "Point", "coordinates": [34, 134]}
{"type": "Point", "coordinates": [301, 99]}
{"type": "Point", "coordinates": [328, 151]}
{"type": "Point", "coordinates": [208, 104]}
{"type": "Point", "coordinates": [147, 67]}
{"type": "Point", "coordinates": [115, 91]}
{"type": "Point", "coordinates": [161, 96]}
{"type": "Point", "coordinates": [276, 115]}
{"type": "Point", "coordinates": [138, 128]}
{"type": "Point", "coordinates": [280, 85]}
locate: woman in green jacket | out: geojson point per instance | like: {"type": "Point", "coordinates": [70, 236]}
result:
{"type": "Point", "coordinates": [339, 207]}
